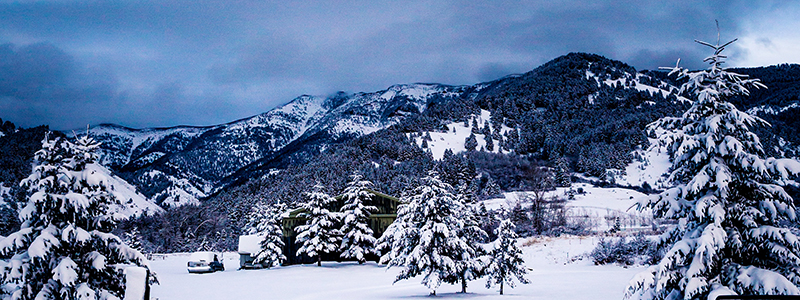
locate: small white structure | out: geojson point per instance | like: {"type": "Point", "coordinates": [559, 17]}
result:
{"type": "Point", "coordinates": [249, 246]}
{"type": "Point", "coordinates": [136, 285]}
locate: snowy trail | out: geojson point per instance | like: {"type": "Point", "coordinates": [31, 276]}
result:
{"type": "Point", "coordinates": [554, 276]}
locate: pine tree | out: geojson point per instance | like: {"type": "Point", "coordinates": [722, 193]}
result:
{"type": "Point", "coordinates": [472, 263]}
{"type": "Point", "coordinates": [424, 238]}
{"type": "Point", "coordinates": [475, 128]}
{"type": "Point", "coordinates": [133, 239]}
{"type": "Point", "coordinates": [321, 233]}
{"type": "Point", "coordinates": [358, 240]}
{"type": "Point", "coordinates": [506, 258]}
{"type": "Point", "coordinates": [266, 222]}
{"type": "Point", "coordinates": [471, 142]}
{"type": "Point", "coordinates": [511, 140]}
{"type": "Point", "coordinates": [489, 142]}
{"type": "Point", "coordinates": [732, 234]}
{"type": "Point", "coordinates": [562, 176]}
{"type": "Point", "coordinates": [487, 129]}
{"type": "Point", "coordinates": [64, 248]}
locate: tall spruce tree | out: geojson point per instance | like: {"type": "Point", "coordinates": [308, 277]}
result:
{"type": "Point", "coordinates": [65, 248]}
{"type": "Point", "coordinates": [472, 263]}
{"type": "Point", "coordinates": [732, 233]}
{"type": "Point", "coordinates": [266, 222]}
{"type": "Point", "coordinates": [471, 142]}
{"type": "Point", "coordinates": [562, 176]}
{"type": "Point", "coordinates": [424, 239]}
{"type": "Point", "coordinates": [489, 142]}
{"type": "Point", "coordinates": [358, 240]}
{"type": "Point", "coordinates": [506, 262]}
{"type": "Point", "coordinates": [321, 233]}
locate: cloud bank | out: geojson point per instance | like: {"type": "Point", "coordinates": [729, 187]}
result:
{"type": "Point", "coordinates": [166, 63]}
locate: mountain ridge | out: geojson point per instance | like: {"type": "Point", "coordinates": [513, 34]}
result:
{"type": "Point", "coordinates": [183, 164]}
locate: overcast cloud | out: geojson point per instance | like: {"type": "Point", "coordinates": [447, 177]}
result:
{"type": "Point", "coordinates": [164, 63]}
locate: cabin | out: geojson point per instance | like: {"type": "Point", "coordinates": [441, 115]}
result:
{"type": "Point", "coordinates": [378, 221]}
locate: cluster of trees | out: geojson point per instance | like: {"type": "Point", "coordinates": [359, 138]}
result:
{"type": "Point", "coordinates": [437, 234]}
{"type": "Point", "coordinates": [347, 231]}
{"type": "Point", "coordinates": [550, 108]}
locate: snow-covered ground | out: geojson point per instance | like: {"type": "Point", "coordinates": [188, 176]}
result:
{"type": "Point", "coordinates": [559, 267]}
{"type": "Point", "coordinates": [457, 134]}
{"type": "Point", "coordinates": [132, 202]}
{"type": "Point", "coordinates": [557, 273]}
{"type": "Point", "coordinates": [651, 166]}
{"type": "Point", "coordinates": [600, 206]}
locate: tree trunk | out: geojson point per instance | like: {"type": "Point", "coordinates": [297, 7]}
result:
{"type": "Point", "coordinates": [501, 287]}
{"type": "Point", "coordinates": [433, 293]}
{"type": "Point", "coordinates": [463, 284]}
{"type": "Point", "coordinates": [319, 260]}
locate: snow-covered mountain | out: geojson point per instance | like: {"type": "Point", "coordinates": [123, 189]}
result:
{"type": "Point", "coordinates": [180, 165]}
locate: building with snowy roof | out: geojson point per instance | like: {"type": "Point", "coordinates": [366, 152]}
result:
{"type": "Point", "coordinates": [378, 221]}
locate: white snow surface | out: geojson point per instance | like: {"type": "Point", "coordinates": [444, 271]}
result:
{"type": "Point", "coordinates": [181, 192]}
{"type": "Point", "coordinates": [138, 137]}
{"type": "Point", "coordinates": [135, 278]}
{"type": "Point", "coordinates": [558, 271]}
{"type": "Point", "coordinates": [771, 110]}
{"type": "Point", "coordinates": [664, 89]}
{"type": "Point", "coordinates": [558, 267]}
{"type": "Point", "coordinates": [250, 244]}
{"type": "Point", "coordinates": [651, 168]}
{"type": "Point", "coordinates": [131, 201]}
{"type": "Point", "coordinates": [454, 141]}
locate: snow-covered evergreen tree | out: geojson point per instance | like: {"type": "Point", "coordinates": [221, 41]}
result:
{"type": "Point", "coordinates": [133, 239]}
{"type": "Point", "coordinates": [266, 222]}
{"type": "Point", "coordinates": [472, 261]}
{"type": "Point", "coordinates": [64, 248]}
{"type": "Point", "coordinates": [562, 176]}
{"type": "Point", "coordinates": [424, 239]}
{"type": "Point", "coordinates": [487, 129]}
{"type": "Point", "coordinates": [321, 233]}
{"type": "Point", "coordinates": [506, 261]}
{"type": "Point", "coordinates": [489, 142]}
{"type": "Point", "coordinates": [471, 142]}
{"type": "Point", "coordinates": [731, 235]}
{"type": "Point", "coordinates": [358, 240]}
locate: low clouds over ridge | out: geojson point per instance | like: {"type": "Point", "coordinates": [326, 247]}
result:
{"type": "Point", "coordinates": [167, 63]}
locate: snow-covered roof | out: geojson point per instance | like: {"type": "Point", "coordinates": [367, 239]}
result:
{"type": "Point", "coordinates": [249, 244]}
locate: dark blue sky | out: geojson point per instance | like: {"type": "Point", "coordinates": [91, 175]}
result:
{"type": "Point", "coordinates": [165, 63]}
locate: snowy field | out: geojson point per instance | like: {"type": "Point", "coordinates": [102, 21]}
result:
{"type": "Point", "coordinates": [558, 272]}
{"type": "Point", "coordinates": [598, 205]}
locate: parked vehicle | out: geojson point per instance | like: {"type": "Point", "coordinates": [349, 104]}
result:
{"type": "Point", "coordinates": [204, 262]}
